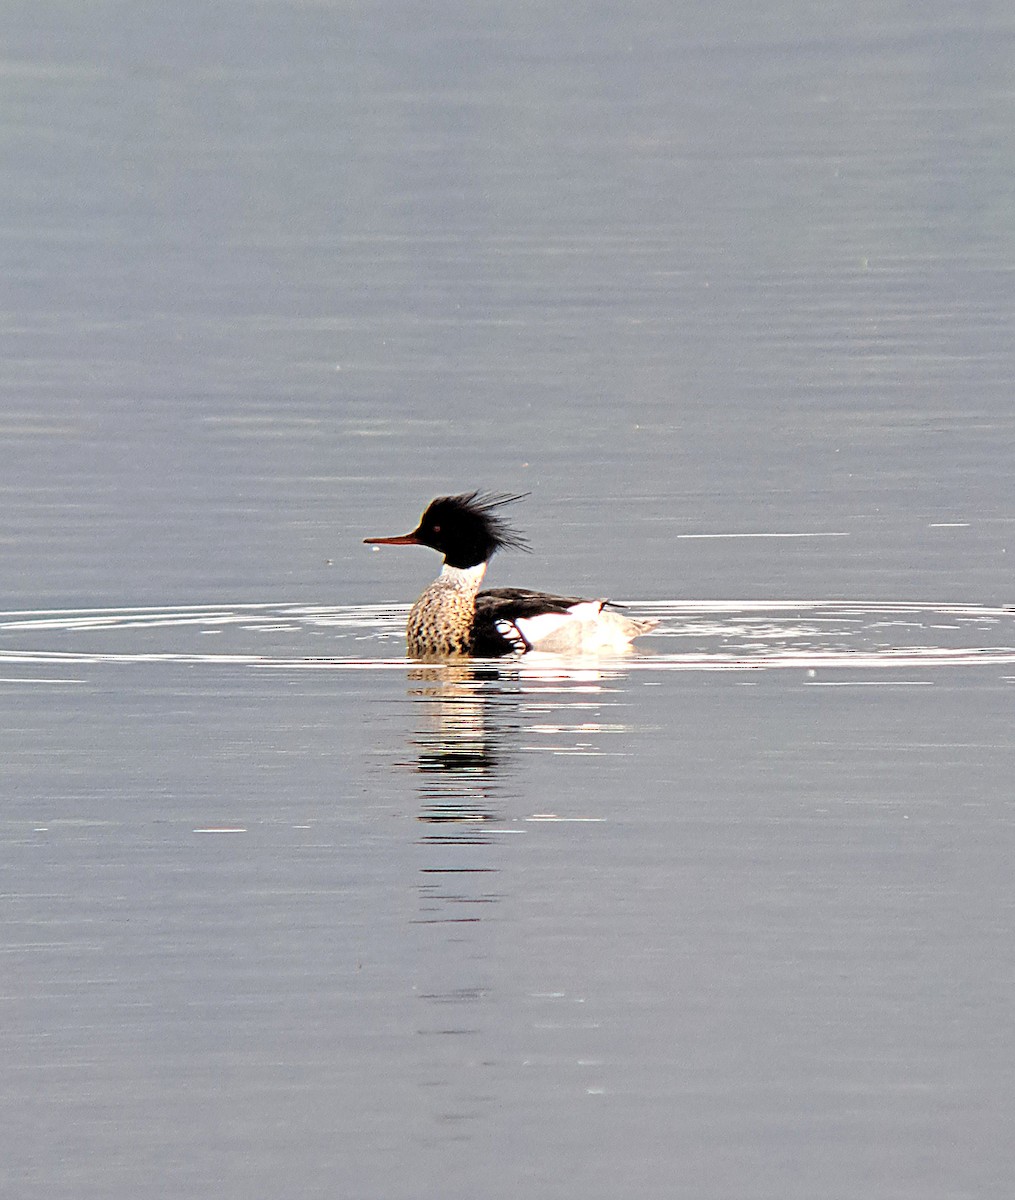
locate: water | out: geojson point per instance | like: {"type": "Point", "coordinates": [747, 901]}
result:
{"type": "Point", "coordinates": [729, 291]}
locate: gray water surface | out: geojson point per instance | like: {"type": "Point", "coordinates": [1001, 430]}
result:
{"type": "Point", "coordinates": [729, 291]}
{"type": "Point", "coordinates": [331, 921]}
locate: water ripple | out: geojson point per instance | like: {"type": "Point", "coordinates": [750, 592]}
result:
{"type": "Point", "coordinates": [720, 635]}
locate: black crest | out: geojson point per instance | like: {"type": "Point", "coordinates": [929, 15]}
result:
{"type": "Point", "coordinates": [467, 529]}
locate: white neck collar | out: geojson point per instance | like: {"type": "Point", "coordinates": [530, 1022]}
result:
{"type": "Point", "coordinates": [464, 577]}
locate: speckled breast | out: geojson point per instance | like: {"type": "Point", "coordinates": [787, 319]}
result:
{"type": "Point", "coordinates": [440, 624]}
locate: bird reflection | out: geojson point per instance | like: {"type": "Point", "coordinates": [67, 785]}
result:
{"type": "Point", "coordinates": [473, 725]}
{"type": "Point", "coordinates": [468, 715]}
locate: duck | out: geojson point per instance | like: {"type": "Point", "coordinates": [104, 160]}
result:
{"type": "Point", "coordinates": [453, 618]}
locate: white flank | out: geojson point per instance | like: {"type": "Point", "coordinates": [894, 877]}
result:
{"type": "Point", "coordinates": [586, 628]}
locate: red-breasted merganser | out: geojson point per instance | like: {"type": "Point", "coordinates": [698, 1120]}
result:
{"type": "Point", "coordinates": [453, 617]}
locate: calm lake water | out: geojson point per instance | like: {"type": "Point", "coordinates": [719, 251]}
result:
{"type": "Point", "coordinates": [730, 292]}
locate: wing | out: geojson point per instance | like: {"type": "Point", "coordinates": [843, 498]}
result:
{"type": "Point", "coordinates": [520, 602]}
{"type": "Point", "coordinates": [504, 618]}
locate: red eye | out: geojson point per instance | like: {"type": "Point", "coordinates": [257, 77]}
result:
{"type": "Point", "coordinates": [436, 529]}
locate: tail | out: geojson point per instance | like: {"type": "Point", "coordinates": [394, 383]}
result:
{"type": "Point", "coordinates": [640, 625]}
{"type": "Point", "coordinates": [618, 629]}
{"type": "Point", "coordinates": [632, 627]}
